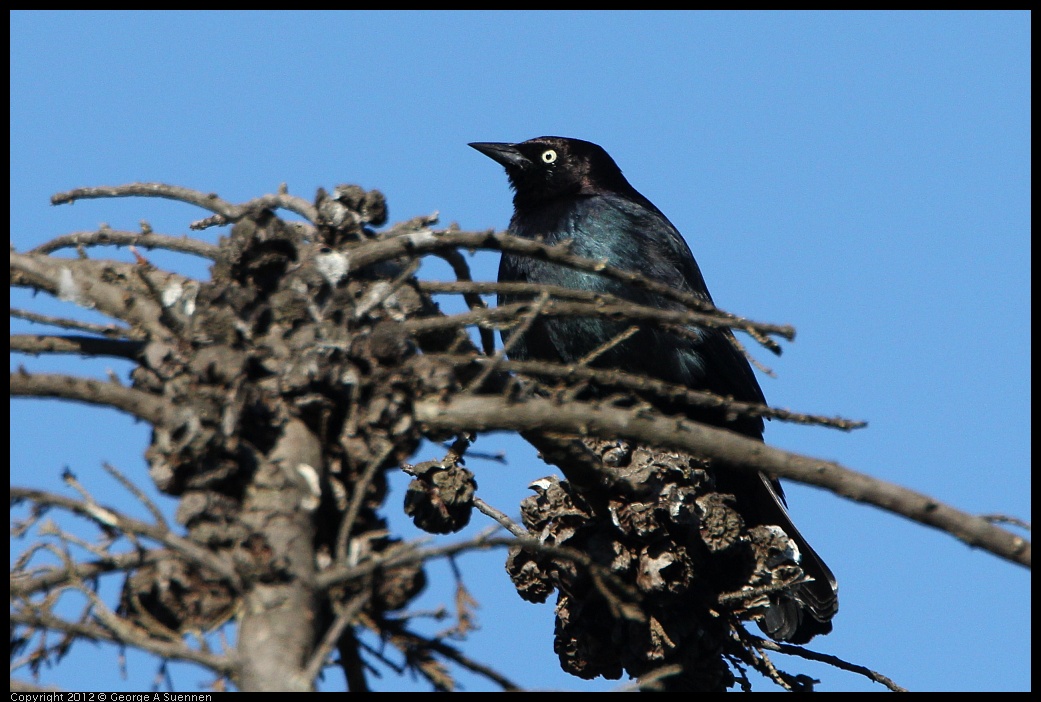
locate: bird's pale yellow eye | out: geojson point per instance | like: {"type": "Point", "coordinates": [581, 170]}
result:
{"type": "Point", "coordinates": [549, 156]}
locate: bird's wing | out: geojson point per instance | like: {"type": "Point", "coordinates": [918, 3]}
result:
{"type": "Point", "coordinates": [663, 255]}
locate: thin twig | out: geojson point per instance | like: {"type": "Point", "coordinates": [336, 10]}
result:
{"type": "Point", "coordinates": [113, 518]}
{"type": "Point", "coordinates": [224, 211]}
{"type": "Point", "coordinates": [835, 661]}
{"type": "Point", "coordinates": [107, 330]}
{"type": "Point", "coordinates": [515, 336]}
{"type": "Point", "coordinates": [383, 291]}
{"type": "Point", "coordinates": [462, 273]}
{"type": "Point", "coordinates": [360, 488]}
{"type": "Point", "coordinates": [38, 619]}
{"type": "Point", "coordinates": [1006, 519]}
{"type": "Point", "coordinates": [134, 490]}
{"type": "Point", "coordinates": [607, 346]}
{"type": "Point", "coordinates": [427, 242]}
{"type": "Point", "coordinates": [36, 344]}
{"type": "Point", "coordinates": [112, 237]}
{"type": "Point", "coordinates": [667, 391]}
{"type": "Point", "coordinates": [25, 584]}
{"type": "Point", "coordinates": [683, 323]}
{"type": "Point", "coordinates": [501, 517]}
{"type": "Point", "coordinates": [332, 636]}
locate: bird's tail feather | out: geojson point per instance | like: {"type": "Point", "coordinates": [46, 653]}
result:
{"type": "Point", "coordinates": [798, 614]}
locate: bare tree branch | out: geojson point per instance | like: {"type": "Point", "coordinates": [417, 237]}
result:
{"type": "Point", "coordinates": [728, 449]}
{"type": "Point", "coordinates": [24, 584]}
{"type": "Point", "coordinates": [809, 655]}
{"type": "Point", "coordinates": [81, 282]}
{"type": "Point", "coordinates": [174, 650]}
{"type": "Point", "coordinates": [621, 379]}
{"type": "Point", "coordinates": [109, 331]}
{"type": "Point", "coordinates": [112, 237]}
{"type": "Point", "coordinates": [225, 211]}
{"type": "Point", "coordinates": [112, 518]}
{"type": "Point", "coordinates": [388, 248]}
{"type": "Point", "coordinates": [343, 620]}
{"type": "Point", "coordinates": [142, 405]}
{"type": "Point", "coordinates": [37, 344]}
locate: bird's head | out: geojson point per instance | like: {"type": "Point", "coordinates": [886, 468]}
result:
{"type": "Point", "coordinates": [546, 168]}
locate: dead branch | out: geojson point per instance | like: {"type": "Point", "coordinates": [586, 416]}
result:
{"type": "Point", "coordinates": [427, 241]}
{"type": "Point", "coordinates": [36, 344]}
{"type": "Point", "coordinates": [729, 449]}
{"type": "Point", "coordinates": [112, 237]}
{"type": "Point", "coordinates": [110, 518]}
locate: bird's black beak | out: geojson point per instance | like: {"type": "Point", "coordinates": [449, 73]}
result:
{"type": "Point", "coordinates": [505, 154]}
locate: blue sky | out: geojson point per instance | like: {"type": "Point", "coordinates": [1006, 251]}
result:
{"type": "Point", "coordinates": [862, 176]}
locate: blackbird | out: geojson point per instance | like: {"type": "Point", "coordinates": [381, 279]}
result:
{"type": "Point", "coordinates": [572, 190]}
